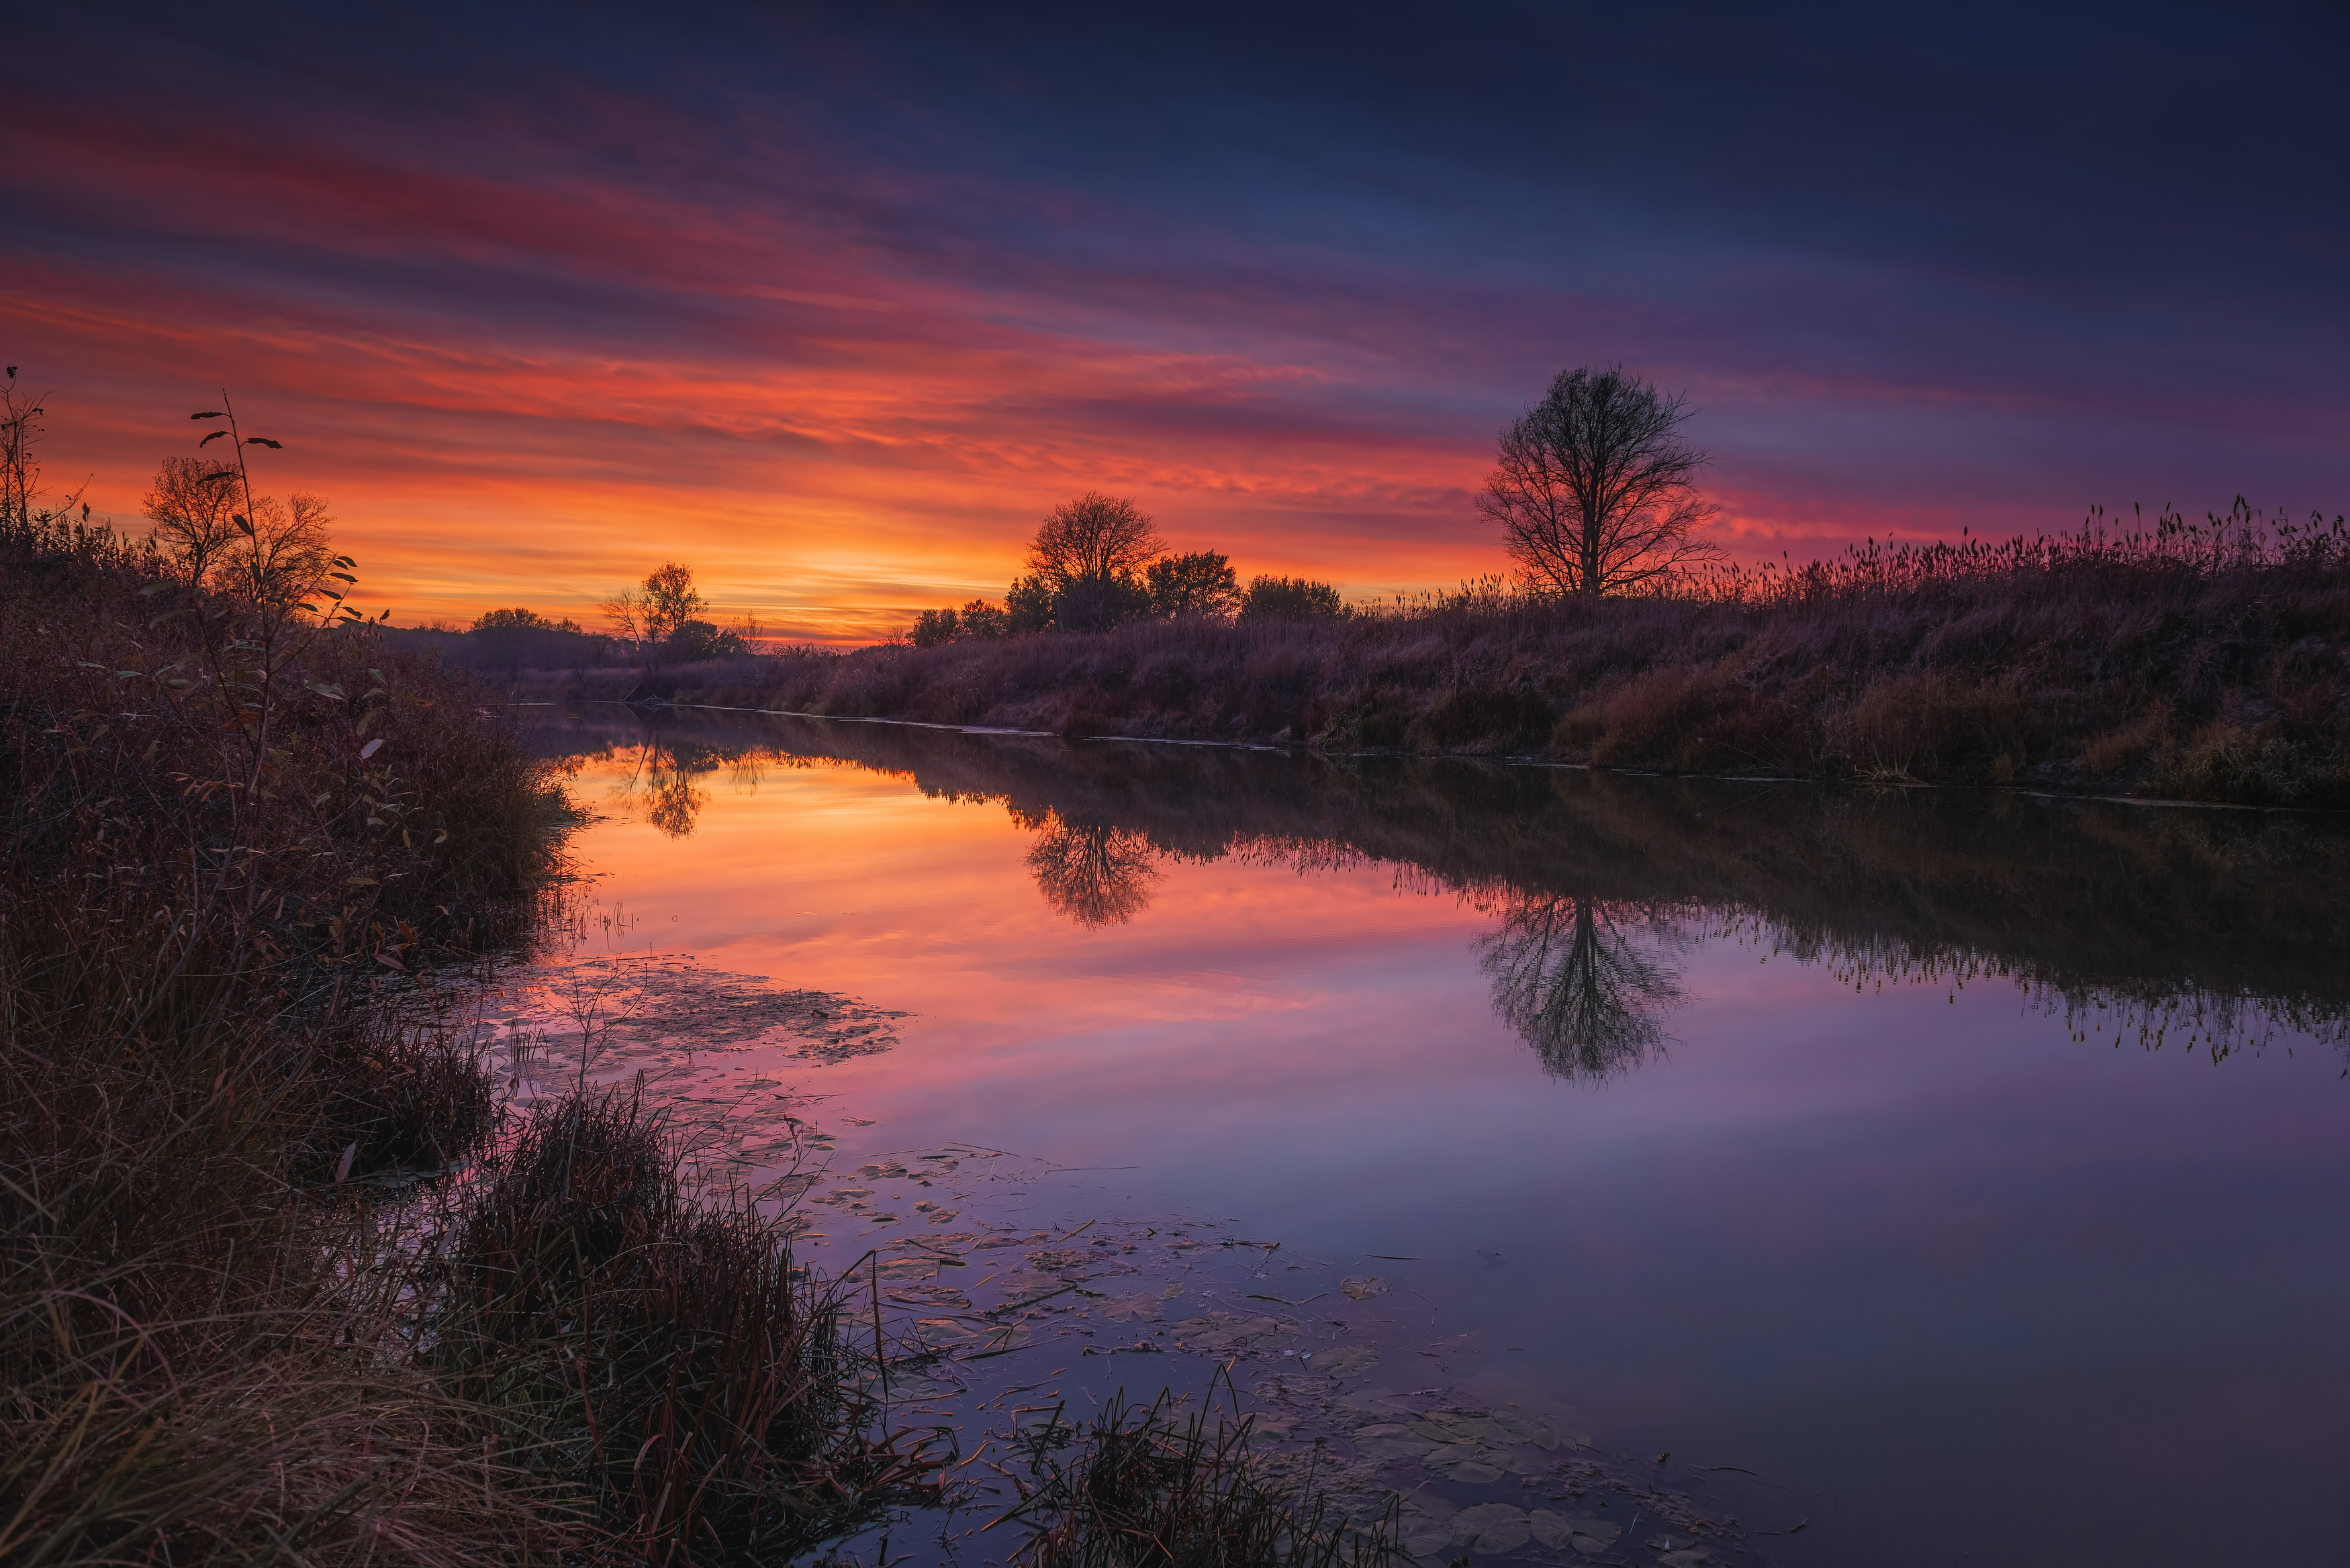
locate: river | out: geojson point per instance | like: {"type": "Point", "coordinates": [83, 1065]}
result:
{"type": "Point", "coordinates": [1929, 1177]}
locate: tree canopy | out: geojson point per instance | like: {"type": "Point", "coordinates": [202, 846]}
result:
{"type": "Point", "coordinates": [1200, 583]}
{"type": "Point", "coordinates": [1595, 491]}
{"type": "Point", "coordinates": [1089, 555]}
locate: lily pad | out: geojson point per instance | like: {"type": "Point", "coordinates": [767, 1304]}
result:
{"type": "Point", "coordinates": [1471, 1471]}
{"type": "Point", "coordinates": [944, 1331]}
{"type": "Point", "coordinates": [1578, 1531]}
{"type": "Point", "coordinates": [1139, 1307]}
{"type": "Point", "coordinates": [1346, 1361]}
{"type": "Point", "coordinates": [1225, 1331]}
{"type": "Point", "coordinates": [927, 1296]}
{"type": "Point", "coordinates": [1493, 1527]}
{"type": "Point", "coordinates": [1428, 1539]}
{"type": "Point", "coordinates": [1363, 1287]}
{"type": "Point", "coordinates": [1545, 1428]}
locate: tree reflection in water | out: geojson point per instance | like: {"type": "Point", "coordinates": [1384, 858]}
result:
{"type": "Point", "coordinates": [664, 780]}
{"type": "Point", "coordinates": [1096, 876]}
{"type": "Point", "coordinates": [1568, 979]}
{"type": "Point", "coordinates": [2212, 931]}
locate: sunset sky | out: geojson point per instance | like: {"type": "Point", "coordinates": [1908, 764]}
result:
{"type": "Point", "coordinates": [833, 303]}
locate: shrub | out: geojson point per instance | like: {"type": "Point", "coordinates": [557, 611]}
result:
{"type": "Point", "coordinates": [1940, 727]}
{"type": "Point", "coordinates": [2231, 765]}
{"type": "Point", "coordinates": [1289, 598]}
{"type": "Point", "coordinates": [2030, 661]}
{"type": "Point", "coordinates": [223, 820]}
{"type": "Point", "coordinates": [2118, 750]}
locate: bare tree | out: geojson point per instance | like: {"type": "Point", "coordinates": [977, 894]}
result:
{"type": "Point", "coordinates": [1090, 554]}
{"type": "Point", "coordinates": [652, 614]}
{"type": "Point", "coordinates": [1595, 491]}
{"type": "Point", "coordinates": [191, 504]}
{"type": "Point", "coordinates": [287, 551]}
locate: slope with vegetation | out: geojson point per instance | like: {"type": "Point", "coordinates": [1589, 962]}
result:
{"type": "Point", "coordinates": [233, 819]}
{"type": "Point", "coordinates": [2183, 661]}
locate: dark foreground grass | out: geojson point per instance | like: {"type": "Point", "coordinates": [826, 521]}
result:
{"type": "Point", "coordinates": [1139, 1487]}
{"type": "Point", "coordinates": [663, 1357]}
{"type": "Point", "coordinates": [227, 831]}
{"type": "Point", "coordinates": [203, 865]}
{"type": "Point", "coordinates": [2194, 662]}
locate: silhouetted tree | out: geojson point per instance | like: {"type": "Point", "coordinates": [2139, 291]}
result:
{"type": "Point", "coordinates": [20, 469]}
{"type": "Point", "coordinates": [520, 620]}
{"type": "Point", "coordinates": [190, 503]}
{"type": "Point", "coordinates": [1595, 491]}
{"type": "Point", "coordinates": [1095, 875]}
{"type": "Point", "coordinates": [287, 551]}
{"type": "Point", "coordinates": [977, 621]}
{"type": "Point", "coordinates": [278, 553]}
{"type": "Point", "coordinates": [1088, 554]}
{"type": "Point", "coordinates": [651, 615]}
{"type": "Point", "coordinates": [1200, 583]}
{"type": "Point", "coordinates": [1290, 599]}
{"type": "Point", "coordinates": [1574, 988]}
{"type": "Point", "coordinates": [1028, 604]}
{"type": "Point", "coordinates": [983, 622]}
{"type": "Point", "coordinates": [935, 629]}
{"type": "Point", "coordinates": [698, 639]}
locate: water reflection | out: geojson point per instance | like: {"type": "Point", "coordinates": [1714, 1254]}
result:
{"type": "Point", "coordinates": [665, 782]}
{"type": "Point", "coordinates": [1093, 874]}
{"type": "Point", "coordinates": [2159, 927]}
{"type": "Point", "coordinates": [1568, 977]}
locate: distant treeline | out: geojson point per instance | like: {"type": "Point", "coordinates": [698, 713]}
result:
{"type": "Point", "coordinates": [1098, 562]}
{"type": "Point", "coordinates": [2181, 660]}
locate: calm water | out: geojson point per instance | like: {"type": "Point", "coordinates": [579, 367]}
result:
{"type": "Point", "coordinates": [1971, 1169]}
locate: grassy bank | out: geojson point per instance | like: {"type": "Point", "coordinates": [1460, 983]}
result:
{"type": "Point", "coordinates": [2194, 662]}
{"type": "Point", "coordinates": [223, 821]}
{"type": "Point", "coordinates": [229, 833]}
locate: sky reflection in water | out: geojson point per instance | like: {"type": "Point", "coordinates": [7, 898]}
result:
{"type": "Point", "coordinates": [1808, 1132]}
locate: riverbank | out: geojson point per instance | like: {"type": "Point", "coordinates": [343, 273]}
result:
{"type": "Point", "coordinates": [282, 1273]}
{"type": "Point", "coordinates": [227, 825]}
{"type": "Point", "coordinates": [276, 1279]}
{"type": "Point", "coordinates": [2188, 663]}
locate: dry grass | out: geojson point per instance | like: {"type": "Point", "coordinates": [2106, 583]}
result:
{"type": "Point", "coordinates": [662, 1355]}
{"type": "Point", "coordinates": [202, 868]}
{"type": "Point", "coordinates": [2022, 662]}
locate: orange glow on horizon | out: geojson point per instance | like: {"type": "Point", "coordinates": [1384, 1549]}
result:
{"type": "Point", "coordinates": [835, 430]}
